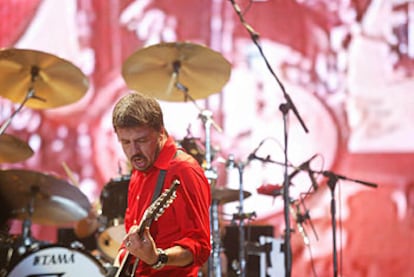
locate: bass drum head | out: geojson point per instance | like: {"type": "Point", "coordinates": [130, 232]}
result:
{"type": "Point", "coordinates": [58, 261]}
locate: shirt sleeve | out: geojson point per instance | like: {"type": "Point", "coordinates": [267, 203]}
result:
{"type": "Point", "coordinates": [192, 212]}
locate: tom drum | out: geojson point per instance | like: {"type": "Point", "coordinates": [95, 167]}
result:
{"type": "Point", "coordinates": [114, 199]}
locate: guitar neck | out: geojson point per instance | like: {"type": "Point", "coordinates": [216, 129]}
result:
{"type": "Point", "coordinates": [151, 213]}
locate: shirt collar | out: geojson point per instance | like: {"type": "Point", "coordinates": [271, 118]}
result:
{"type": "Point", "coordinates": [166, 154]}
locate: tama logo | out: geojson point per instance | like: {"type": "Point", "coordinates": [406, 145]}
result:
{"type": "Point", "coordinates": [54, 259]}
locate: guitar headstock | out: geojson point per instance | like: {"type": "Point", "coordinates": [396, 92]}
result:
{"type": "Point", "coordinates": [164, 204]}
{"type": "Point", "coordinates": [158, 207]}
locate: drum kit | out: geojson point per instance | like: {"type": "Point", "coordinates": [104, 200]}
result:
{"type": "Point", "coordinates": [177, 72]}
{"type": "Point", "coordinates": [38, 80]}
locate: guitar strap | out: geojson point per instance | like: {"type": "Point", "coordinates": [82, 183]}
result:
{"type": "Point", "coordinates": [160, 180]}
{"type": "Point", "coordinates": [156, 194]}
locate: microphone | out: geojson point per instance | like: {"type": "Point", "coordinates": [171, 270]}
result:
{"type": "Point", "coordinates": [313, 180]}
{"type": "Point", "coordinates": [230, 163]}
{"type": "Point", "coordinates": [276, 189]}
{"type": "Point", "coordinates": [299, 218]}
{"type": "Point", "coordinates": [252, 155]}
{"type": "Point", "coordinates": [303, 166]}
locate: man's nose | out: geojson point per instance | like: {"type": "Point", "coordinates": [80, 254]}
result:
{"type": "Point", "coordinates": [136, 148]}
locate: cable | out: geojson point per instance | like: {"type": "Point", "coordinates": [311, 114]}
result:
{"type": "Point", "coordinates": [340, 228]}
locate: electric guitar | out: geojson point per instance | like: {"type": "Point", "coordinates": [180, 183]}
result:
{"type": "Point", "coordinates": [153, 212]}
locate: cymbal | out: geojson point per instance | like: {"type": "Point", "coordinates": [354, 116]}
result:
{"type": "Point", "coordinates": [13, 150]}
{"type": "Point", "coordinates": [225, 195]}
{"type": "Point", "coordinates": [56, 82]}
{"type": "Point", "coordinates": [55, 202]}
{"type": "Point", "coordinates": [154, 70]}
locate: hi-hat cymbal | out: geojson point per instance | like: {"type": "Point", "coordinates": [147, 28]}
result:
{"type": "Point", "coordinates": [13, 150]}
{"type": "Point", "coordinates": [55, 82]}
{"type": "Point", "coordinates": [225, 195]}
{"type": "Point", "coordinates": [55, 202]}
{"type": "Point", "coordinates": [158, 69]}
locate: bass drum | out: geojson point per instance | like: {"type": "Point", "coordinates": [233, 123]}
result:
{"type": "Point", "coordinates": [114, 201]}
{"type": "Point", "coordinates": [54, 260]}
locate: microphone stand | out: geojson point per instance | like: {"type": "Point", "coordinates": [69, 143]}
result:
{"type": "Point", "coordinates": [284, 108]}
{"type": "Point", "coordinates": [332, 180]}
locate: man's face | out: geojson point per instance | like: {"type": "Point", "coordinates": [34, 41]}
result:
{"type": "Point", "coordinates": [141, 145]}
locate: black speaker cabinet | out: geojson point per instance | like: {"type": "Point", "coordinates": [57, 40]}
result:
{"type": "Point", "coordinates": [231, 244]}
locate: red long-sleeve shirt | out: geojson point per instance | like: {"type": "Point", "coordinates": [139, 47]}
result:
{"type": "Point", "coordinates": [186, 221]}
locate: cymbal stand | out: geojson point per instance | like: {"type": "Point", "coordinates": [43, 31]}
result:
{"type": "Point", "coordinates": [25, 242]}
{"type": "Point", "coordinates": [241, 216]}
{"type": "Point", "coordinates": [30, 94]}
{"type": "Point", "coordinates": [214, 262]}
{"type": "Point", "coordinates": [27, 222]}
{"type": "Point", "coordinates": [208, 121]}
{"type": "Point", "coordinates": [206, 118]}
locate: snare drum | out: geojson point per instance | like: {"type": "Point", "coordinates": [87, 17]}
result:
{"type": "Point", "coordinates": [53, 260]}
{"type": "Point", "coordinates": [114, 201]}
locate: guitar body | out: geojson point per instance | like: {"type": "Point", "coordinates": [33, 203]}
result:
{"type": "Point", "coordinates": [127, 268]}
{"type": "Point", "coordinates": [153, 212]}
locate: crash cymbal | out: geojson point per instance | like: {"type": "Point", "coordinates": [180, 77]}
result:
{"type": "Point", "coordinates": [154, 70]}
{"type": "Point", "coordinates": [13, 150]}
{"type": "Point", "coordinates": [56, 82]}
{"type": "Point", "coordinates": [55, 202]}
{"type": "Point", "coordinates": [225, 195]}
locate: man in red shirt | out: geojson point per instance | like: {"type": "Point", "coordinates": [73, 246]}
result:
{"type": "Point", "coordinates": [178, 243]}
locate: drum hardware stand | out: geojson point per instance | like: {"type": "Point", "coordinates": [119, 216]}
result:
{"type": "Point", "coordinates": [30, 94]}
{"type": "Point", "coordinates": [214, 262]}
{"type": "Point", "coordinates": [208, 121]}
{"type": "Point", "coordinates": [27, 240]}
{"type": "Point", "coordinates": [241, 216]}
{"type": "Point", "coordinates": [24, 242]}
